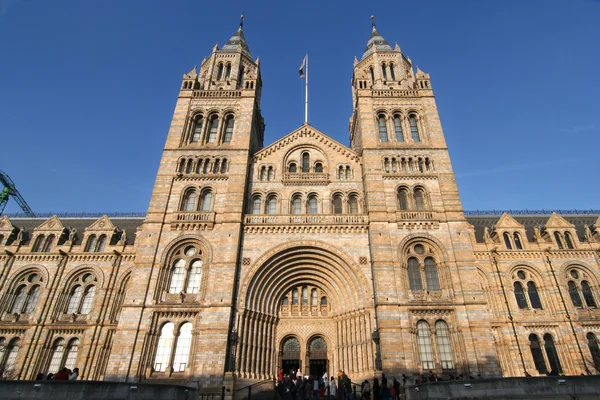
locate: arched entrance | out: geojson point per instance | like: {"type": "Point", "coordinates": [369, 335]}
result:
{"type": "Point", "coordinates": [290, 355]}
{"type": "Point", "coordinates": [317, 356]}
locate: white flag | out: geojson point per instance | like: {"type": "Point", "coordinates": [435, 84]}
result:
{"type": "Point", "coordinates": [301, 69]}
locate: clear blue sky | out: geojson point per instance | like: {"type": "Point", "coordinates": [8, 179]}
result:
{"type": "Point", "coordinates": [87, 89]}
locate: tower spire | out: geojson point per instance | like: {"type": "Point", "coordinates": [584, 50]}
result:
{"type": "Point", "coordinates": [376, 41]}
{"type": "Point", "coordinates": [241, 21]}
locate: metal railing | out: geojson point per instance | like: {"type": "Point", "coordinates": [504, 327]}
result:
{"type": "Point", "coordinates": [249, 387]}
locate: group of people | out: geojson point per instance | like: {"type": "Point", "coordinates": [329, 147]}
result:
{"type": "Point", "coordinates": [295, 386]}
{"type": "Point", "coordinates": [383, 391]}
{"type": "Point", "coordinates": [65, 374]}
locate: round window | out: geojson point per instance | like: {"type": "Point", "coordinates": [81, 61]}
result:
{"type": "Point", "coordinates": [88, 278]}
{"type": "Point", "coordinates": [521, 274]}
{"type": "Point", "coordinates": [419, 249]}
{"type": "Point", "coordinates": [190, 251]}
{"type": "Point", "coordinates": [575, 274]}
{"type": "Point", "coordinates": [33, 278]}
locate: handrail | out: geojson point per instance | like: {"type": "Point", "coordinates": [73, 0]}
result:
{"type": "Point", "coordinates": [256, 384]}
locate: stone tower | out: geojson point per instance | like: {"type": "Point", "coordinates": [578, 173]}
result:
{"type": "Point", "coordinates": [194, 220]}
{"type": "Point", "coordinates": [416, 217]}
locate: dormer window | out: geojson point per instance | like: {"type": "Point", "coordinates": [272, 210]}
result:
{"type": "Point", "coordinates": [305, 162]}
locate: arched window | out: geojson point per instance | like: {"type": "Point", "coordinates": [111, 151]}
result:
{"type": "Point", "coordinates": [507, 241]}
{"type": "Point", "coordinates": [163, 350]}
{"type": "Point", "coordinates": [263, 173]}
{"type": "Point", "coordinates": [49, 243]}
{"type": "Point", "coordinates": [394, 165]}
{"type": "Point", "coordinates": [296, 205]}
{"type": "Point", "coordinates": [272, 205]}
{"type": "Point", "coordinates": [353, 204]}
{"type": "Point", "coordinates": [74, 300]}
{"type": "Point", "coordinates": [383, 135]}
{"type": "Point", "coordinates": [195, 277]}
{"type": "Point", "coordinates": [213, 129]}
{"type": "Point", "coordinates": [241, 76]}
{"type": "Point", "coordinates": [189, 201]}
{"type": "Point", "coordinates": [337, 204]}
{"type": "Point", "coordinates": [425, 347]}
{"type": "Point", "coordinates": [257, 205]}
{"type": "Point", "coordinates": [58, 352]}
{"type": "Point", "coordinates": [386, 166]}
{"type": "Point", "coordinates": [101, 243]}
{"type": "Point", "coordinates": [38, 244]}
{"type": "Point", "coordinates": [189, 166]}
{"type": "Point", "coordinates": [574, 294]}
{"type": "Point", "coordinates": [313, 296]}
{"type": "Point", "coordinates": [318, 167]}
{"type": "Point", "coordinates": [292, 167]}
{"type": "Point", "coordinates": [32, 298]}
{"type": "Point", "coordinates": [569, 240]}
{"type": "Point", "coordinates": [224, 166]}
{"type": "Point", "coordinates": [442, 338]}
{"type": "Point", "coordinates": [517, 240]}
{"type": "Point", "coordinates": [403, 199]}
{"type": "Point", "coordinates": [71, 356]}
{"type": "Point", "coordinates": [537, 355]}
{"type": "Point", "coordinates": [312, 204]}
{"type": "Point", "coordinates": [414, 275]}
{"type": "Point", "coordinates": [305, 162]}
{"type": "Point", "coordinates": [228, 129]}
{"type": "Point", "coordinates": [220, 71]}
{"type": "Point", "coordinates": [392, 74]}
{"type": "Point", "coordinates": [304, 296]}
{"type": "Point", "coordinates": [341, 173]}
{"type": "Point", "coordinates": [431, 275]}
{"type": "Point", "coordinates": [559, 242]}
{"type": "Point", "coordinates": [419, 197]}
{"type": "Point", "coordinates": [197, 132]}
{"type": "Point", "coordinates": [88, 300]}
{"type": "Point", "coordinates": [20, 297]}
{"type": "Point", "coordinates": [182, 350]}
{"type": "Point", "coordinates": [552, 354]}
{"type": "Point", "coordinates": [594, 349]}
{"type": "Point", "coordinates": [206, 166]}
{"type": "Point", "coordinates": [520, 295]}
{"type": "Point", "coordinates": [177, 276]}
{"type": "Point", "coordinates": [534, 297]}
{"type": "Point", "coordinates": [398, 128]}
{"type": "Point", "coordinates": [348, 173]}
{"type": "Point", "coordinates": [414, 130]}
{"type": "Point", "coordinates": [270, 174]}
{"type": "Point", "coordinates": [384, 71]}
{"type": "Point", "coordinates": [323, 301]}
{"type": "Point", "coordinates": [295, 297]}
{"type": "Point", "coordinates": [587, 294]}
{"type": "Point", "coordinates": [91, 244]}
{"type": "Point", "coordinates": [372, 75]}
{"type": "Point", "coordinates": [285, 301]}
{"type": "Point", "coordinates": [8, 356]}
{"type": "Point", "coordinates": [206, 200]}
{"type": "Point", "coordinates": [227, 71]}
{"type": "Point", "coordinates": [216, 166]}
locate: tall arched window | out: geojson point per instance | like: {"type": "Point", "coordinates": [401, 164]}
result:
{"type": "Point", "coordinates": [552, 354]}
{"type": "Point", "coordinates": [372, 75]}
{"type": "Point", "coordinates": [263, 173]}
{"type": "Point", "coordinates": [569, 240]}
{"type": "Point", "coordinates": [241, 76]}
{"type": "Point", "coordinates": [304, 296]}
{"type": "Point", "coordinates": [101, 243]}
{"type": "Point", "coordinates": [558, 239]}
{"type": "Point", "coordinates": [425, 347]}
{"type": "Point", "coordinates": [341, 173]}
{"type": "Point", "coordinates": [195, 277]}
{"type": "Point", "coordinates": [224, 166]}
{"type": "Point", "coordinates": [71, 356]}
{"type": "Point", "coordinates": [81, 297]}
{"type": "Point", "coordinates": [296, 205]}
{"type": "Point", "coordinates": [88, 300]}
{"type": "Point", "coordinates": [403, 198]}
{"type": "Point", "coordinates": [507, 242]}
{"type": "Point", "coordinates": [431, 275]}
{"type": "Point", "coordinates": [216, 166]}
{"type": "Point", "coordinates": [189, 201]}
{"type": "Point", "coordinates": [398, 128]}
{"type": "Point", "coordinates": [442, 338]}
{"type": "Point", "coordinates": [313, 296]}
{"type": "Point", "coordinates": [348, 173]}
{"type": "Point", "coordinates": [305, 162]}
{"type": "Point", "coordinates": [91, 244]}
{"type": "Point", "coordinates": [312, 204]}
{"type": "Point", "coordinates": [574, 294]}
{"type": "Point", "coordinates": [272, 205]}
{"type": "Point", "coordinates": [517, 239]}
{"type": "Point", "coordinates": [26, 295]}
{"type": "Point", "coordinates": [32, 298]}
{"type": "Point", "coordinates": [38, 244]}
{"type": "Point", "coordinates": [177, 276]}
{"type": "Point", "coordinates": [20, 297]}
{"type": "Point", "coordinates": [337, 204]}
{"type": "Point", "coordinates": [414, 129]}
{"type": "Point", "coordinates": [182, 350]}
{"type": "Point", "coordinates": [587, 294]}
{"type": "Point", "coordinates": [49, 243]}
{"type": "Point", "coordinates": [227, 71]}
{"type": "Point", "coordinates": [8, 357]}
{"type": "Point", "coordinates": [206, 200]}
{"type": "Point", "coordinates": [520, 295]}
{"type": "Point", "coordinates": [414, 275]}
{"type": "Point", "coordinates": [353, 204]}
{"type": "Point", "coordinates": [392, 74]}
{"type": "Point", "coordinates": [534, 297]}
{"type": "Point", "coordinates": [197, 132]}
{"type": "Point", "coordinates": [220, 71]}
{"type": "Point", "coordinates": [295, 297]}
{"type": "Point", "coordinates": [206, 166]}
{"type": "Point", "coordinates": [594, 349]}
{"type": "Point", "coordinates": [257, 205]}
{"type": "Point", "coordinates": [419, 197]}
{"type": "Point", "coordinates": [537, 355]}
{"type": "Point", "coordinates": [163, 350]}
{"type": "Point", "coordinates": [381, 123]}
{"type": "Point", "coordinates": [386, 166]}
{"type": "Point", "coordinates": [213, 129]}
{"type": "Point", "coordinates": [186, 270]}
{"type": "Point", "coordinates": [58, 352]}
{"type": "Point", "coordinates": [270, 174]}
{"type": "Point", "coordinates": [74, 300]}
{"type": "Point", "coordinates": [384, 71]}
{"type": "Point", "coordinates": [228, 129]}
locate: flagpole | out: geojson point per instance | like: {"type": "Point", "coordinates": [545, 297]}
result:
{"type": "Point", "coordinates": [306, 94]}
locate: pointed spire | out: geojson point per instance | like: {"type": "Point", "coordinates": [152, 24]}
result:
{"type": "Point", "coordinates": [238, 40]}
{"type": "Point", "coordinates": [376, 41]}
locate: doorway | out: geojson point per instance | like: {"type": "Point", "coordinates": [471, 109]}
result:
{"type": "Point", "coordinates": [317, 367]}
{"type": "Point", "coordinates": [290, 355]}
{"type": "Point", "coordinates": [317, 354]}
{"type": "Point", "coordinates": [290, 366]}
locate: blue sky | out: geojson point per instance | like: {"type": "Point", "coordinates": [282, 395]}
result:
{"type": "Point", "coordinates": [87, 89]}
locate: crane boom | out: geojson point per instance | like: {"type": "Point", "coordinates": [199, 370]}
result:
{"type": "Point", "coordinates": [10, 190]}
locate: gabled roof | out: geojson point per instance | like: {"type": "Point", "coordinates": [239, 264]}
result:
{"type": "Point", "coordinates": [508, 222]}
{"type": "Point", "coordinates": [103, 224]}
{"type": "Point", "coordinates": [556, 221]}
{"type": "Point", "coordinates": [320, 140]}
{"type": "Point", "coordinates": [51, 224]}
{"type": "Point", "coordinates": [237, 42]}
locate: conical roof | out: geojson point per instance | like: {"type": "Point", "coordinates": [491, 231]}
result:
{"type": "Point", "coordinates": [376, 41]}
{"type": "Point", "coordinates": [236, 41]}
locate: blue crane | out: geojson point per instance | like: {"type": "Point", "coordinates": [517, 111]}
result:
{"type": "Point", "coordinates": [10, 190]}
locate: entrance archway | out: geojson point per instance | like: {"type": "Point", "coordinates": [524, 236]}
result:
{"type": "Point", "coordinates": [290, 355]}
{"type": "Point", "coordinates": [317, 356]}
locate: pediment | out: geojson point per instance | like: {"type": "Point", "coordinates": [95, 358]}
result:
{"type": "Point", "coordinates": [506, 221]}
{"type": "Point", "coordinates": [6, 225]}
{"type": "Point", "coordinates": [556, 221]}
{"type": "Point", "coordinates": [51, 224]}
{"type": "Point", "coordinates": [103, 224]}
{"type": "Point", "coordinates": [307, 135]}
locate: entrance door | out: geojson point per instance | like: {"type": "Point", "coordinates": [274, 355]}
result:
{"type": "Point", "coordinates": [290, 355]}
{"type": "Point", "coordinates": [317, 353]}
{"type": "Point", "coordinates": [290, 366]}
{"type": "Point", "coordinates": [318, 367]}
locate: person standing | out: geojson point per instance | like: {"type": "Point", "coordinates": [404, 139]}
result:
{"type": "Point", "coordinates": [281, 374]}
{"type": "Point", "coordinates": [396, 386]}
{"type": "Point", "coordinates": [332, 389]}
{"type": "Point", "coordinates": [74, 374]}
{"type": "Point", "coordinates": [376, 389]}
{"type": "Point", "coordinates": [366, 390]}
